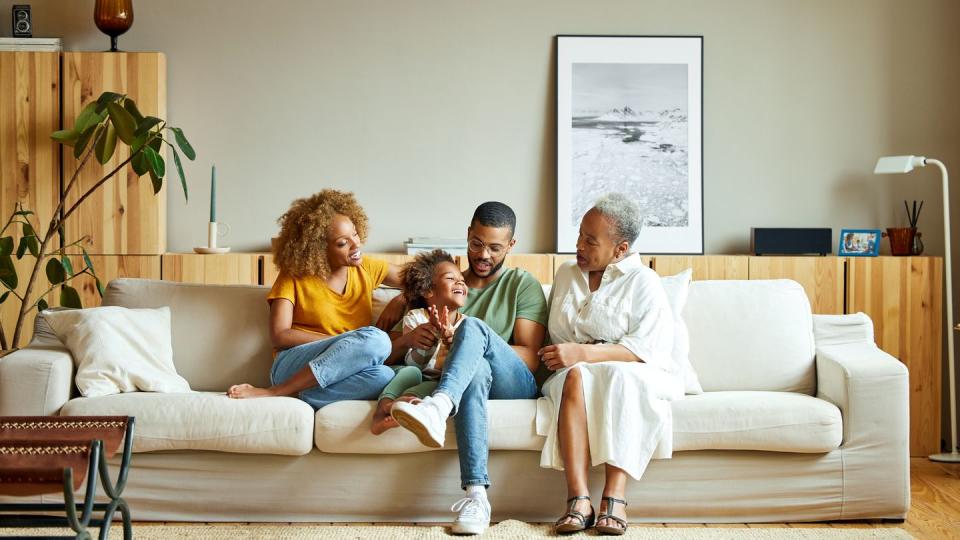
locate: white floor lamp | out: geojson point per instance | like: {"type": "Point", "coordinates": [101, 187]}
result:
{"type": "Point", "coordinates": [905, 164]}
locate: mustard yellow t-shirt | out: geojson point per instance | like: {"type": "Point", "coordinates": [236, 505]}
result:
{"type": "Point", "coordinates": [318, 309]}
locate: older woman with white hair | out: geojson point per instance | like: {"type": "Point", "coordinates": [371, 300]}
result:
{"type": "Point", "coordinates": [608, 400]}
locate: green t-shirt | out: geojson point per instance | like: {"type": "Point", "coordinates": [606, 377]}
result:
{"type": "Point", "coordinates": [516, 294]}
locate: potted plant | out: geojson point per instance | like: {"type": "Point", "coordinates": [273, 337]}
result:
{"type": "Point", "coordinates": [112, 120]}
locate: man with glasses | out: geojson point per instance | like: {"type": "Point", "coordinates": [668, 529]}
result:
{"type": "Point", "coordinates": [493, 356]}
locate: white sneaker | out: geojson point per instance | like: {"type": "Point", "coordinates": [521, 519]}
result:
{"type": "Point", "coordinates": [426, 419]}
{"type": "Point", "coordinates": [473, 517]}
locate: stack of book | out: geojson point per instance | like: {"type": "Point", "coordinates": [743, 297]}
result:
{"type": "Point", "coordinates": [453, 246]}
{"type": "Point", "coordinates": [30, 44]}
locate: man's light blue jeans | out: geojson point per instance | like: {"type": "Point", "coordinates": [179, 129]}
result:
{"type": "Point", "coordinates": [480, 366]}
{"type": "Point", "coordinates": [348, 366]}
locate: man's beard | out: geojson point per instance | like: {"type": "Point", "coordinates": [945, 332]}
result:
{"type": "Point", "coordinates": [493, 269]}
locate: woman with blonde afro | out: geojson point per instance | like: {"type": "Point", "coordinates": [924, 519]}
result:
{"type": "Point", "coordinates": [321, 306]}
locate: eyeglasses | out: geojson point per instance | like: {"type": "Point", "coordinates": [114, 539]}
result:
{"type": "Point", "coordinates": [476, 246]}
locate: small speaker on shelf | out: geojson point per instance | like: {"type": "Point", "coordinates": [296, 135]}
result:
{"type": "Point", "coordinates": [780, 241]}
{"type": "Point", "coordinates": [22, 26]}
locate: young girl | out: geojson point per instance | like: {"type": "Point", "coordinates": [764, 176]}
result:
{"type": "Point", "coordinates": [433, 285]}
{"type": "Point", "coordinates": [321, 306]}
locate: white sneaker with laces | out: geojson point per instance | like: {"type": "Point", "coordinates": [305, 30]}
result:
{"type": "Point", "coordinates": [473, 517]}
{"type": "Point", "coordinates": [426, 419]}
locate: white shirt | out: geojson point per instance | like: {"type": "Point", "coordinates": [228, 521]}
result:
{"type": "Point", "coordinates": [425, 359]}
{"type": "Point", "coordinates": [629, 308]}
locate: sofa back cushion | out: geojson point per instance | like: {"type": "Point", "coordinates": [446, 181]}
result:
{"type": "Point", "coordinates": [219, 332]}
{"type": "Point", "coordinates": [751, 335]}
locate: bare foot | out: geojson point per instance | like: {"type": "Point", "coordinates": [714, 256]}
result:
{"type": "Point", "coordinates": [618, 510]}
{"type": "Point", "coordinates": [244, 391]}
{"type": "Point", "coordinates": [581, 505]}
{"type": "Point", "coordinates": [382, 420]}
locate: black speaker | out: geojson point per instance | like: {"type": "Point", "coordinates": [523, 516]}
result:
{"type": "Point", "coordinates": [22, 27]}
{"type": "Point", "coordinates": [771, 241]}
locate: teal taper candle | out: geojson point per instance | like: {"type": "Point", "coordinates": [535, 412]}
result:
{"type": "Point", "coordinates": [213, 194]}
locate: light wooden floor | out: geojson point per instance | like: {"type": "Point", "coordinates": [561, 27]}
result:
{"type": "Point", "coordinates": [934, 511]}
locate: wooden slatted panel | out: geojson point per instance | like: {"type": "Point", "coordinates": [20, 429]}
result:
{"type": "Point", "coordinates": [29, 159]}
{"type": "Point", "coordinates": [902, 295]}
{"type": "Point", "coordinates": [821, 277]}
{"type": "Point", "coordinates": [559, 259]}
{"type": "Point", "coordinates": [226, 269]}
{"type": "Point", "coordinates": [110, 267]}
{"type": "Point", "coordinates": [123, 217]}
{"type": "Point", "coordinates": [704, 266]}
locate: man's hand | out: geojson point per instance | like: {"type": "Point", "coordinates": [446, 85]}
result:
{"type": "Point", "coordinates": [422, 337]}
{"type": "Point", "coordinates": [392, 313]}
{"type": "Point", "coordinates": [563, 355]}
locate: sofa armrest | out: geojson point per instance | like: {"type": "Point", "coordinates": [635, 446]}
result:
{"type": "Point", "coordinates": [36, 380]}
{"type": "Point", "coordinates": [871, 388]}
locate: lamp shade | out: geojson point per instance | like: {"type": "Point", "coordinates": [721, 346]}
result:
{"type": "Point", "coordinates": [898, 164]}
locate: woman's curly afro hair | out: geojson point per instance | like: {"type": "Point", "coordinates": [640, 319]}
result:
{"type": "Point", "coordinates": [302, 247]}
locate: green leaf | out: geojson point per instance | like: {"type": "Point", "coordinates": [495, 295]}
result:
{"type": "Point", "coordinates": [155, 161]}
{"type": "Point", "coordinates": [139, 164]}
{"type": "Point", "coordinates": [99, 287]}
{"type": "Point", "coordinates": [146, 124]}
{"type": "Point", "coordinates": [88, 116]}
{"type": "Point", "coordinates": [3, 297]}
{"type": "Point", "coordinates": [69, 297]}
{"type": "Point", "coordinates": [42, 305]}
{"type": "Point", "coordinates": [55, 272]}
{"type": "Point", "coordinates": [6, 246]}
{"type": "Point", "coordinates": [131, 108]}
{"type": "Point", "coordinates": [106, 145]}
{"type": "Point", "coordinates": [22, 248]}
{"type": "Point", "coordinates": [8, 272]}
{"type": "Point", "coordinates": [86, 258]}
{"type": "Point", "coordinates": [23, 213]}
{"type": "Point", "coordinates": [156, 143]}
{"type": "Point", "coordinates": [31, 239]}
{"type": "Point", "coordinates": [157, 182]}
{"type": "Point", "coordinates": [90, 134]}
{"type": "Point", "coordinates": [122, 121]}
{"type": "Point", "coordinates": [66, 136]}
{"type": "Point", "coordinates": [184, 144]}
{"type": "Point", "coordinates": [183, 179]}
{"type": "Point", "coordinates": [67, 265]}
{"type": "Point", "coordinates": [107, 97]}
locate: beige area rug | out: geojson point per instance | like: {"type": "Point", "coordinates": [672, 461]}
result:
{"type": "Point", "coordinates": [510, 529]}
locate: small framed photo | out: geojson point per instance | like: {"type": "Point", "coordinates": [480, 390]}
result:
{"type": "Point", "coordinates": [859, 242]}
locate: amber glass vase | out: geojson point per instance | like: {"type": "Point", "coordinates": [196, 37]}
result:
{"type": "Point", "coordinates": [113, 17]}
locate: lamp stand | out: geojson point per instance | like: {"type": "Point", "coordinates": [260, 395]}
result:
{"type": "Point", "coordinates": [953, 456]}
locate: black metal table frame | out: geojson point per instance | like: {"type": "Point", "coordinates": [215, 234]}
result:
{"type": "Point", "coordinates": [80, 522]}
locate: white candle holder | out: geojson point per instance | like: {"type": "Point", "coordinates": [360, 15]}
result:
{"type": "Point", "coordinates": [213, 232]}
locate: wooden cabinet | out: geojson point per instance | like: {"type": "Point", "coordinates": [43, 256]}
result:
{"type": "Point", "coordinates": [821, 277]}
{"type": "Point", "coordinates": [226, 269]}
{"type": "Point", "coordinates": [123, 217]}
{"type": "Point", "coordinates": [903, 297]}
{"type": "Point", "coordinates": [704, 267]}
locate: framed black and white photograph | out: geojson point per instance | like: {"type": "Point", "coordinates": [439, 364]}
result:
{"type": "Point", "coordinates": [630, 120]}
{"type": "Point", "coordinates": [860, 242]}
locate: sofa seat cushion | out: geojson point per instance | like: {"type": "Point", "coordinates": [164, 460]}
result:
{"type": "Point", "coordinates": [743, 420]}
{"type": "Point", "coordinates": [207, 421]}
{"type": "Point", "coordinates": [344, 428]}
{"type": "Point", "coordinates": [769, 421]}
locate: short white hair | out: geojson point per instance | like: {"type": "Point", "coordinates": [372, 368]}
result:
{"type": "Point", "coordinates": [623, 213]}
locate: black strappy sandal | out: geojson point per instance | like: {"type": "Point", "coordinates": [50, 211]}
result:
{"type": "Point", "coordinates": [606, 529]}
{"type": "Point", "coordinates": [585, 522]}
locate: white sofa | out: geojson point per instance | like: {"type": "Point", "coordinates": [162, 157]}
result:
{"type": "Point", "coordinates": [803, 418]}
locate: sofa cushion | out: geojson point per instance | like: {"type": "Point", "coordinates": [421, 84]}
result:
{"type": "Point", "coordinates": [770, 421]}
{"type": "Point", "coordinates": [207, 421]}
{"type": "Point", "coordinates": [220, 333]}
{"type": "Point", "coordinates": [751, 335]}
{"type": "Point", "coordinates": [765, 421]}
{"type": "Point", "coordinates": [344, 428]}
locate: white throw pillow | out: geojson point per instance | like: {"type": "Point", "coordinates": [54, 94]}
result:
{"type": "Point", "coordinates": [118, 349]}
{"type": "Point", "coordinates": [677, 288]}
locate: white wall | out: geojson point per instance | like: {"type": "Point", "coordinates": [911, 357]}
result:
{"type": "Point", "coordinates": [426, 108]}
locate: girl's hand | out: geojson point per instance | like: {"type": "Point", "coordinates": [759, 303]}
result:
{"type": "Point", "coordinates": [423, 337]}
{"type": "Point", "coordinates": [441, 321]}
{"type": "Point", "coordinates": [560, 356]}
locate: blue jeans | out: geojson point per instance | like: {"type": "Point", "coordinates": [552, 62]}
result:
{"type": "Point", "coordinates": [480, 366]}
{"type": "Point", "coordinates": [348, 366]}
